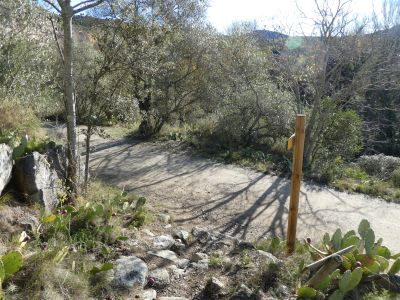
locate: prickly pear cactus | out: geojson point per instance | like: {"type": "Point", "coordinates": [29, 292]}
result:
{"type": "Point", "coordinates": [367, 257]}
{"type": "Point", "coordinates": [12, 262]}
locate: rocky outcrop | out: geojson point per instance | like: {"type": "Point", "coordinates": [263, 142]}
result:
{"type": "Point", "coordinates": [5, 165]}
{"type": "Point", "coordinates": [35, 178]}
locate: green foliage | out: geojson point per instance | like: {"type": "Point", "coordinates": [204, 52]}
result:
{"type": "Point", "coordinates": [104, 268]}
{"type": "Point", "coordinates": [340, 141]}
{"type": "Point", "coordinates": [16, 121]}
{"type": "Point", "coordinates": [366, 257]}
{"type": "Point", "coordinates": [380, 166]}
{"type": "Point", "coordinates": [94, 224]}
{"type": "Point", "coordinates": [215, 261]}
{"type": "Point", "coordinates": [307, 292]}
{"type": "Point", "coordinates": [396, 177]}
{"type": "Point", "coordinates": [11, 263]}
{"type": "Point", "coordinates": [274, 245]}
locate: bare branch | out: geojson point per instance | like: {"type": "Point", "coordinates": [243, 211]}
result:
{"type": "Point", "coordinates": [56, 39]}
{"type": "Point", "coordinates": [49, 2]}
{"type": "Point", "coordinates": [86, 5]}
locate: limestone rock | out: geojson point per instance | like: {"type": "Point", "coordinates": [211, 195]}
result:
{"type": "Point", "coordinates": [168, 255]}
{"type": "Point", "coordinates": [148, 232]}
{"type": "Point", "coordinates": [182, 263]}
{"type": "Point", "coordinates": [243, 293]}
{"type": "Point", "coordinates": [214, 287]}
{"type": "Point", "coordinates": [161, 278]}
{"type": "Point", "coordinates": [202, 235]}
{"type": "Point", "coordinates": [172, 298]}
{"type": "Point", "coordinates": [35, 178]}
{"type": "Point", "coordinates": [149, 294]}
{"type": "Point", "coordinates": [200, 265]}
{"type": "Point", "coordinates": [165, 218]}
{"type": "Point", "coordinates": [198, 256]}
{"type": "Point", "coordinates": [5, 165]}
{"type": "Point", "coordinates": [182, 235]}
{"type": "Point", "coordinates": [175, 271]}
{"type": "Point", "coordinates": [130, 272]}
{"type": "Point", "coordinates": [178, 247]}
{"type": "Point", "coordinates": [268, 257]}
{"type": "Point", "coordinates": [163, 242]}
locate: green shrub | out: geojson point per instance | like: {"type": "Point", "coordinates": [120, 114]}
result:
{"type": "Point", "coordinates": [215, 261]}
{"type": "Point", "coordinates": [16, 121]}
{"type": "Point", "coordinates": [380, 166]}
{"type": "Point", "coordinates": [396, 177]}
{"type": "Point", "coordinates": [354, 172]}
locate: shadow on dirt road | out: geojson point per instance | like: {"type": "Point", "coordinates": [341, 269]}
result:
{"type": "Point", "coordinates": [234, 200]}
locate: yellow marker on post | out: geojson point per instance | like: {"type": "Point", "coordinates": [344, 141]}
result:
{"type": "Point", "coordinates": [290, 141]}
{"type": "Point", "coordinates": [296, 141]}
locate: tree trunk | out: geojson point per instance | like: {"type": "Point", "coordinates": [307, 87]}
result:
{"type": "Point", "coordinates": [67, 14]}
{"type": "Point", "coordinates": [87, 155]}
{"type": "Point", "coordinates": [309, 141]}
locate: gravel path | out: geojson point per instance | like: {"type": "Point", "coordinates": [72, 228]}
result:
{"type": "Point", "coordinates": [231, 199]}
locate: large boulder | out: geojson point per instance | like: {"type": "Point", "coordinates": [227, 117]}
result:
{"type": "Point", "coordinates": [38, 180]}
{"type": "Point", "coordinates": [130, 272]}
{"type": "Point", "coordinates": [5, 165]}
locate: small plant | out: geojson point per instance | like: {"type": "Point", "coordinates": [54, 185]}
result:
{"type": "Point", "coordinates": [11, 262]}
{"type": "Point", "coordinates": [274, 245]}
{"type": "Point", "coordinates": [359, 257]}
{"type": "Point", "coordinates": [215, 261]}
{"type": "Point", "coordinates": [246, 260]}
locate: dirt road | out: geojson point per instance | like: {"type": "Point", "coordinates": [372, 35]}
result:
{"type": "Point", "coordinates": [234, 200]}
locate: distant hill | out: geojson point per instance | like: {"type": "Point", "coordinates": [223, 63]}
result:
{"type": "Point", "coordinates": [266, 35]}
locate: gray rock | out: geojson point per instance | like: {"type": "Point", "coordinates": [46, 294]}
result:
{"type": "Point", "coordinates": [148, 232]}
{"type": "Point", "coordinates": [6, 164]}
{"type": "Point", "coordinates": [214, 287]}
{"type": "Point", "coordinates": [282, 290]}
{"type": "Point", "coordinates": [149, 294]}
{"type": "Point", "coordinates": [35, 177]}
{"type": "Point", "coordinates": [163, 242]}
{"type": "Point", "coordinates": [176, 272]}
{"type": "Point", "coordinates": [200, 265]}
{"type": "Point", "coordinates": [182, 234]}
{"type": "Point", "coordinates": [202, 235]}
{"type": "Point", "coordinates": [168, 255]}
{"type": "Point", "coordinates": [29, 222]}
{"type": "Point", "coordinates": [172, 298]}
{"type": "Point", "coordinates": [161, 278]}
{"type": "Point", "coordinates": [182, 263]}
{"type": "Point", "coordinates": [198, 256]}
{"type": "Point", "coordinates": [244, 245]}
{"type": "Point", "coordinates": [178, 247]}
{"type": "Point", "coordinates": [270, 258]}
{"type": "Point", "coordinates": [130, 272]}
{"type": "Point", "coordinates": [243, 293]}
{"type": "Point", "coordinates": [165, 218]}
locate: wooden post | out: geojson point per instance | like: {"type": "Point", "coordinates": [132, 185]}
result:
{"type": "Point", "coordinates": [295, 184]}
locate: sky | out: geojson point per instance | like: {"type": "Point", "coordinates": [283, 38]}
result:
{"type": "Point", "coordinates": [270, 13]}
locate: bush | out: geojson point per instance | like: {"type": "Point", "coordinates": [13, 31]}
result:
{"type": "Point", "coordinates": [396, 177]}
{"type": "Point", "coordinates": [16, 121]}
{"type": "Point", "coordinates": [380, 166]}
{"type": "Point", "coordinates": [340, 141]}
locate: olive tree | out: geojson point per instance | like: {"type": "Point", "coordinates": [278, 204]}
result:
{"type": "Point", "coordinates": [163, 56]}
